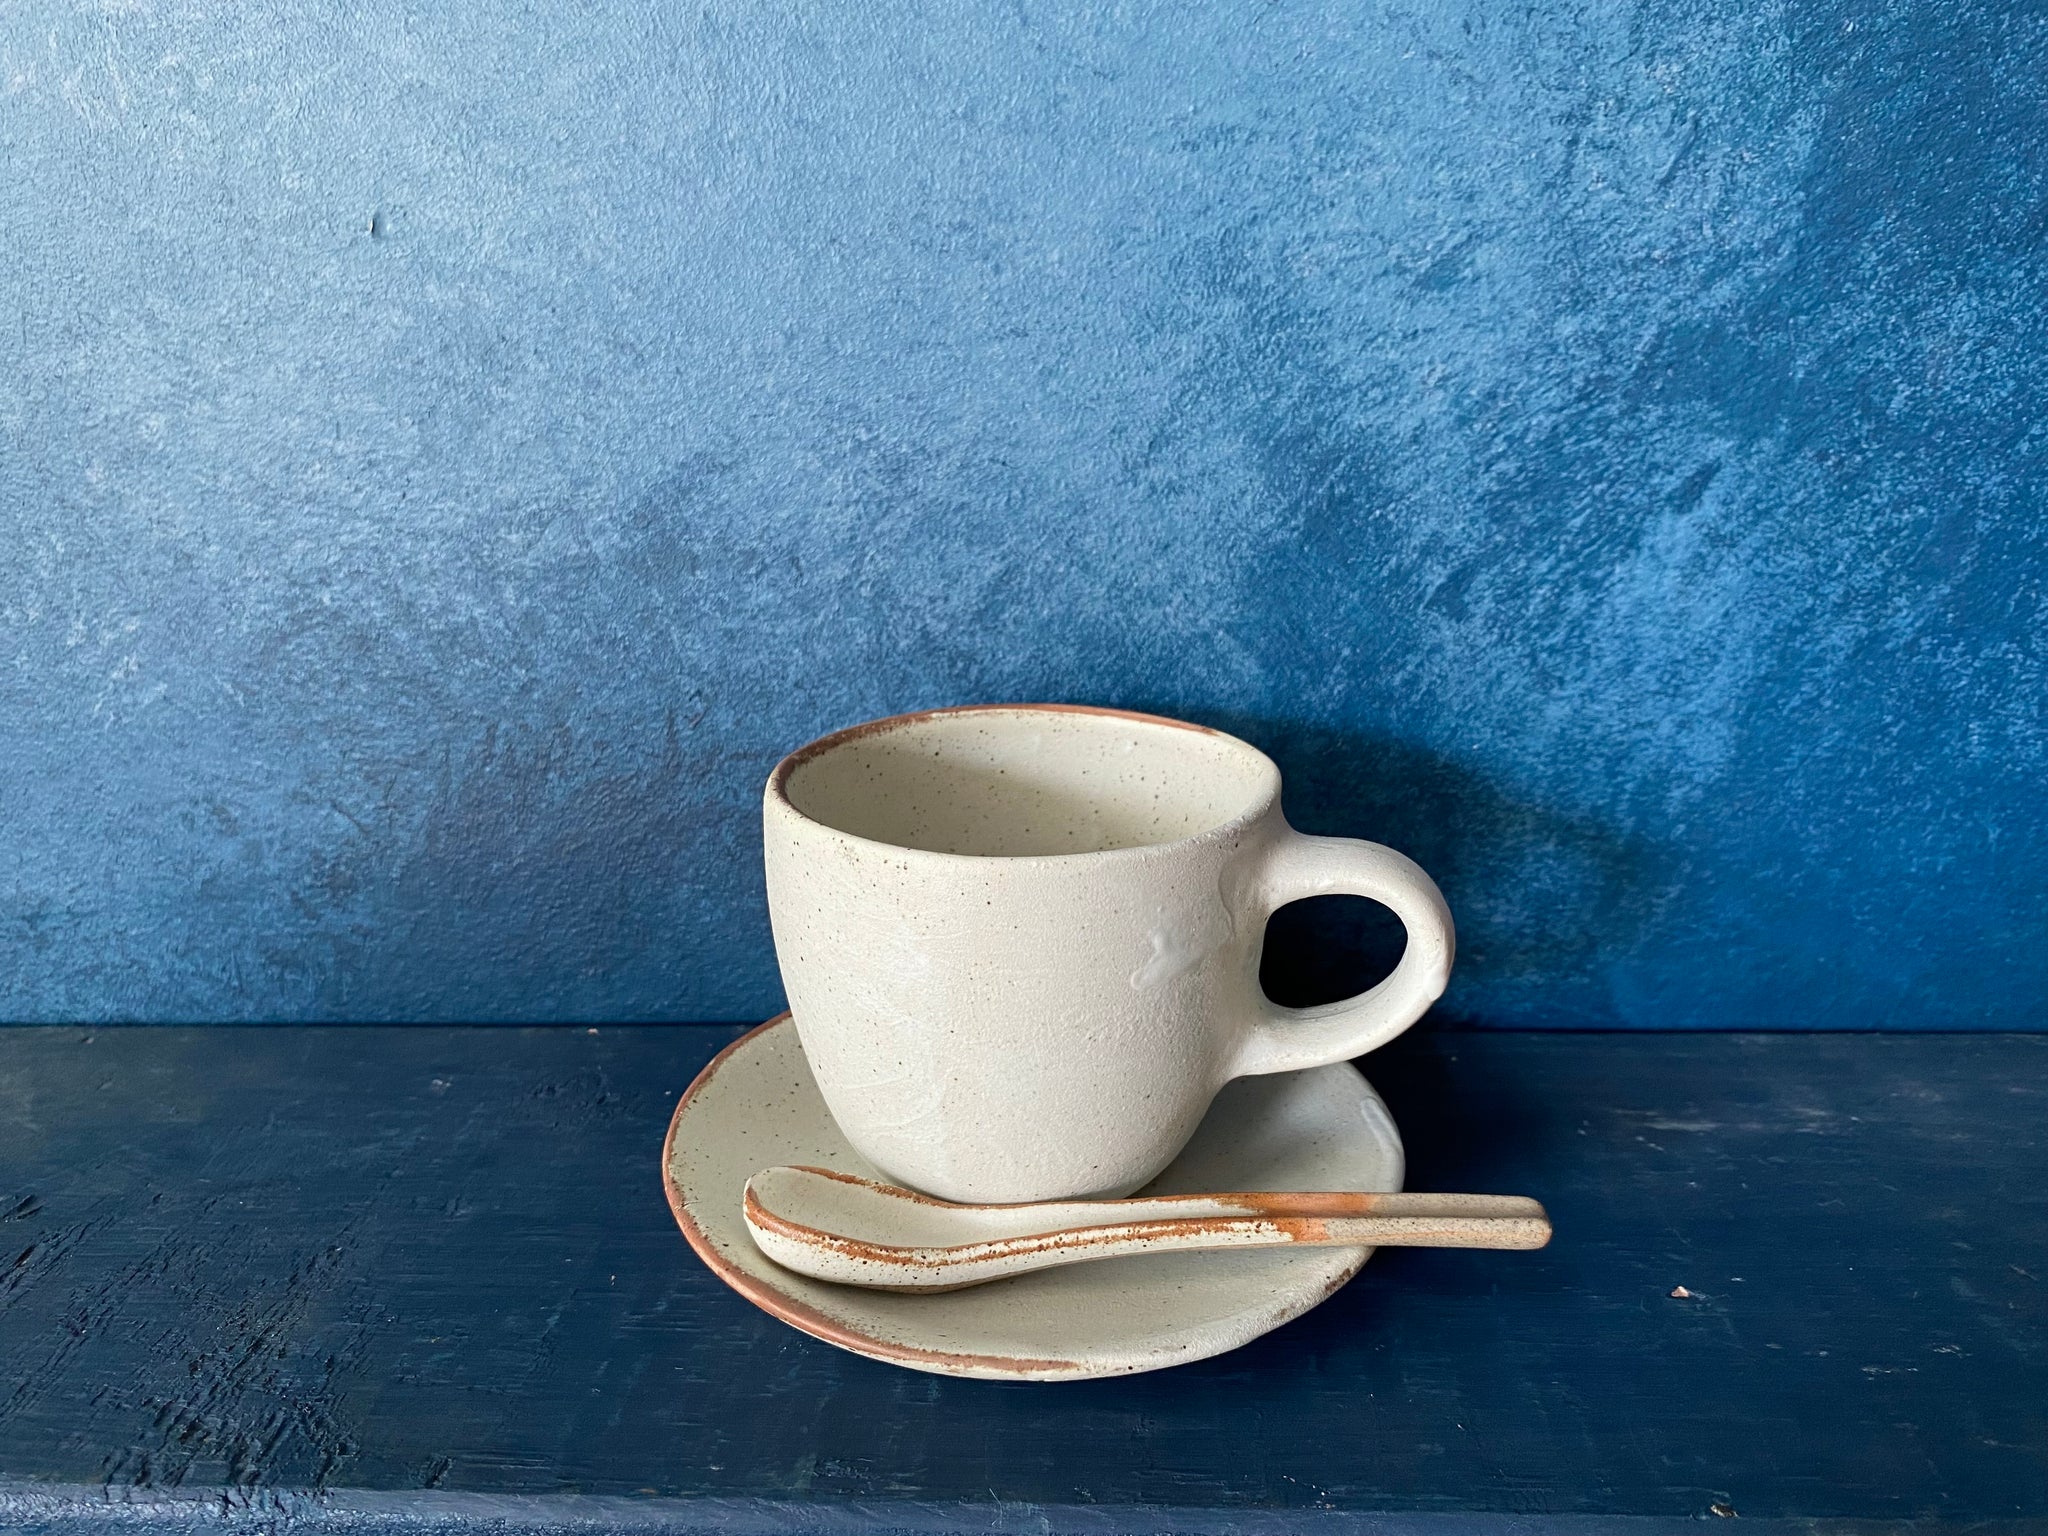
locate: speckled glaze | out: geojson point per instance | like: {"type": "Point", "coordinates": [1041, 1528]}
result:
{"type": "Point", "coordinates": [757, 1105]}
{"type": "Point", "coordinates": [1021, 942]}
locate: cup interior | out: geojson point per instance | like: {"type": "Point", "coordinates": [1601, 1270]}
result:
{"type": "Point", "coordinates": [1027, 781]}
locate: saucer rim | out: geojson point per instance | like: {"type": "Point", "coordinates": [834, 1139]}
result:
{"type": "Point", "coordinates": [808, 1319]}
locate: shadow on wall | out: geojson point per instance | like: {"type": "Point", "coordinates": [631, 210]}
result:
{"type": "Point", "coordinates": [553, 878]}
{"type": "Point", "coordinates": [1545, 902]}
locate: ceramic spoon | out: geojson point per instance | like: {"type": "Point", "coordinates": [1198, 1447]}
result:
{"type": "Point", "coordinates": [833, 1226]}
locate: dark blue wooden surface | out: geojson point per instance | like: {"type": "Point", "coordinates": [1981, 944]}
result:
{"type": "Point", "coordinates": [425, 1279]}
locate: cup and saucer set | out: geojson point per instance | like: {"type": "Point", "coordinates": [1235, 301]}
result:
{"type": "Point", "coordinates": [1020, 945]}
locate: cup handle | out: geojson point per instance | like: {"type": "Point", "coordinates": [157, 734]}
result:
{"type": "Point", "coordinates": [1289, 1039]}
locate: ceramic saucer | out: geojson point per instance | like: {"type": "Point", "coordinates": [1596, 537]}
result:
{"type": "Point", "coordinates": [756, 1105]}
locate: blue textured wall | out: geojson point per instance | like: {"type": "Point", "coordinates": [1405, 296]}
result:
{"type": "Point", "coordinates": [448, 453]}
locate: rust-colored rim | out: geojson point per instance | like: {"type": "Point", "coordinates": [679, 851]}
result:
{"type": "Point", "coordinates": [778, 780]}
{"type": "Point", "coordinates": [799, 1314]}
{"type": "Point", "coordinates": [840, 738]}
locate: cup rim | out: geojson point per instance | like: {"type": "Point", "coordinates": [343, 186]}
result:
{"type": "Point", "coordinates": [777, 793]}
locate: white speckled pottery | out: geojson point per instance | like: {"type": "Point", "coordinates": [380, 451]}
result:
{"type": "Point", "coordinates": [757, 1106]}
{"type": "Point", "coordinates": [1021, 942]}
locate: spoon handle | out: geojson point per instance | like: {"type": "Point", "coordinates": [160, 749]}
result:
{"type": "Point", "coordinates": [1342, 1204]}
{"type": "Point", "coordinates": [1424, 1229]}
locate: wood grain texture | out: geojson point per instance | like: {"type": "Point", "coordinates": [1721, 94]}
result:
{"type": "Point", "coordinates": [425, 1279]}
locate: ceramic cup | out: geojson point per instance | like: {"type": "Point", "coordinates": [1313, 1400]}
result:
{"type": "Point", "coordinates": [1021, 942]}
